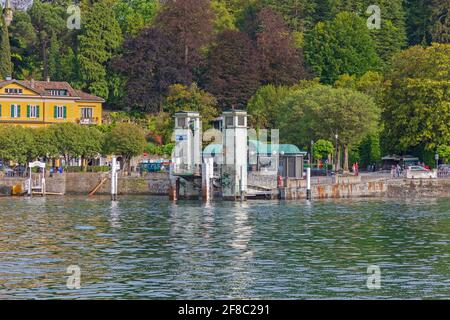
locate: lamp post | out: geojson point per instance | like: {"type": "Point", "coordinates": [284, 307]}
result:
{"type": "Point", "coordinates": [312, 153]}
{"type": "Point", "coordinates": [436, 157]}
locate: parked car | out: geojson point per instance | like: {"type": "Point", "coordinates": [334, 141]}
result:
{"type": "Point", "coordinates": [419, 172]}
{"type": "Point", "coordinates": [417, 168]}
{"type": "Point", "coordinates": [444, 170]}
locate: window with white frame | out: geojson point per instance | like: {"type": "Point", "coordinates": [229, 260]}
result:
{"type": "Point", "coordinates": [87, 113]}
{"type": "Point", "coordinates": [56, 92]}
{"type": "Point", "coordinates": [33, 112]}
{"type": "Point", "coordinates": [14, 90]}
{"type": "Point", "coordinates": [15, 111]}
{"type": "Point", "coordinates": [59, 112]}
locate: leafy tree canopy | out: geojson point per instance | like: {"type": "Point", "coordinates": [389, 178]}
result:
{"type": "Point", "coordinates": [340, 46]}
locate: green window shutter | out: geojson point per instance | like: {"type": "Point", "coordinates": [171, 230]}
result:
{"type": "Point", "coordinates": [64, 112]}
{"type": "Point", "coordinates": [12, 111]}
{"type": "Point", "coordinates": [0, 110]}
{"type": "Point", "coordinates": [37, 111]}
{"type": "Point", "coordinates": [28, 111]}
{"type": "Point", "coordinates": [55, 112]}
{"type": "Point", "coordinates": [18, 111]}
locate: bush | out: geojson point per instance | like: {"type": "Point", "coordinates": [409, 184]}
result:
{"type": "Point", "coordinates": [90, 169]}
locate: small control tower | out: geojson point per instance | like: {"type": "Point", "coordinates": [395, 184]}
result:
{"type": "Point", "coordinates": [185, 172]}
{"type": "Point", "coordinates": [188, 143]}
{"type": "Point", "coordinates": [235, 155]}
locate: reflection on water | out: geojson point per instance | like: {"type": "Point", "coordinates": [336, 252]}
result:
{"type": "Point", "coordinates": [114, 217]}
{"type": "Point", "coordinates": [145, 247]}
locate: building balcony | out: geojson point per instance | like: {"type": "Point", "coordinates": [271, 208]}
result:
{"type": "Point", "coordinates": [87, 121]}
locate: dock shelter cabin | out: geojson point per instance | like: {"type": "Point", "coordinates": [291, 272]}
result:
{"type": "Point", "coordinates": [263, 158]}
{"type": "Point", "coordinates": [393, 160]}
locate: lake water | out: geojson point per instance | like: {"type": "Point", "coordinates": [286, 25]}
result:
{"type": "Point", "coordinates": [148, 248]}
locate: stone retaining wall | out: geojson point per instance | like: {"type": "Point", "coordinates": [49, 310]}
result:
{"type": "Point", "coordinates": [158, 184]}
{"type": "Point", "coordinates": [84, 183]}
{"type": "Point", "coordinates": [376, 188]}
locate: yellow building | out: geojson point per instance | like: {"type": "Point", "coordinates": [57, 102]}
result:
{"type": "Point", "coordinates": [40, 103]}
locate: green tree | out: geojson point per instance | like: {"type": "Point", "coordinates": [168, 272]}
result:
{"type": "Point", "coordinates": [417, 103]}
{"type": "Point", "coordinates": [44, 143]}
{"type": "Point", "coordinates": [322, 149]}
{"type": "Point", "coordinates": [444, 153]}
{"type": "Point", "coordinates": [297, 13]}
{"type": "Point", "coordinates": [68, 65]}
{"type": "Point", "coordinates": [440, 21]}
{"type": "Point", "coordinates": [264, 106]}
{"type": "Point", "coordinates": [160, 127]}
{"type": "Point", "coordinates": [127, 140]}
{"type": "Point", "coordinates": [5, 51]}
{"type": "Point", "coordinates": [321, 112]}
{"type": "Point", "coordinates": [16, 144]}
{"type": "Point", "coordinates": [373, 84]}
{"type": "Point", "coordinates": [91, 143]}
{"type": "Point", "coordinates": [23, 41]}
{"type": "Point", "coordinates": [47, 19]}
{"type": "Point", "coordinates": [340, 46]}
{"type": "Point", "coordinates": [68, 139]}
{"type": "Point", "coordinates": [370, 150]}
{"type": "Point", "coordinates": [389, 40]}
{"type": "Point", "coordinates": [135, 15]}
{"type": "Point", "coordinates": [98, 42]}
{"type": "Point", "coordinates": [192, 98]}
{"type": "Point", "coordinates": [224, 19]}
{"type": "Point", "coordinates": [427, 21]}
{"type": "Point", "coordinates": [54, 59]}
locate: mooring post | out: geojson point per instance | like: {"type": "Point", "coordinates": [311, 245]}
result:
{"type": "Point", "coordinates": [114, 179]}
{"type": "Point", "coordinates": [308, 183]}
{"type": "Point", "coordinates": [241, 183]}
{"type": "Point", "coordinates": [207, 175]}
{"type": "Point", "coordinates": [29, 184]}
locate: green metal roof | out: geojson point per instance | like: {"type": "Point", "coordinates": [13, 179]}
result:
{"type": "Point", "coordinates": [261, 148]}
{"type": "Point", "coordinates": [213, 148]}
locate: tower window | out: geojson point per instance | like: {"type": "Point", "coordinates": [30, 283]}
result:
{"type": "Point", "coordinates": [229, 121]}
{"type": "Point", "coordinates": [182, 122]}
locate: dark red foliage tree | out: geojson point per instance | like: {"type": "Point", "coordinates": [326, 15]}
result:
{"type": "Point", "coordinates": [233, 73]}
{"type": "Point", "coordinates": [150, 65]}
{"type": "Point", "coordinates": [281, 61]}
{"type": "Point", "coordinates": [189, 24]}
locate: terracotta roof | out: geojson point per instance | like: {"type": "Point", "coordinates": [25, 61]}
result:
{"type": "Point", "coordinates": [41, 88]}
{"type": "Point", "coordinates": [88, 97]}
{"type": "Point", "coordinates": [25, 84]}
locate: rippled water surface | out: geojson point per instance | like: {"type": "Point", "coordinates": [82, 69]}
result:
{"type": "Point", "coordinates": [145, 247]}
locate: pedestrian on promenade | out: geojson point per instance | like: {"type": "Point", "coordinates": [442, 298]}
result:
{"type": "Point", "coordinates": [398, 171]}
